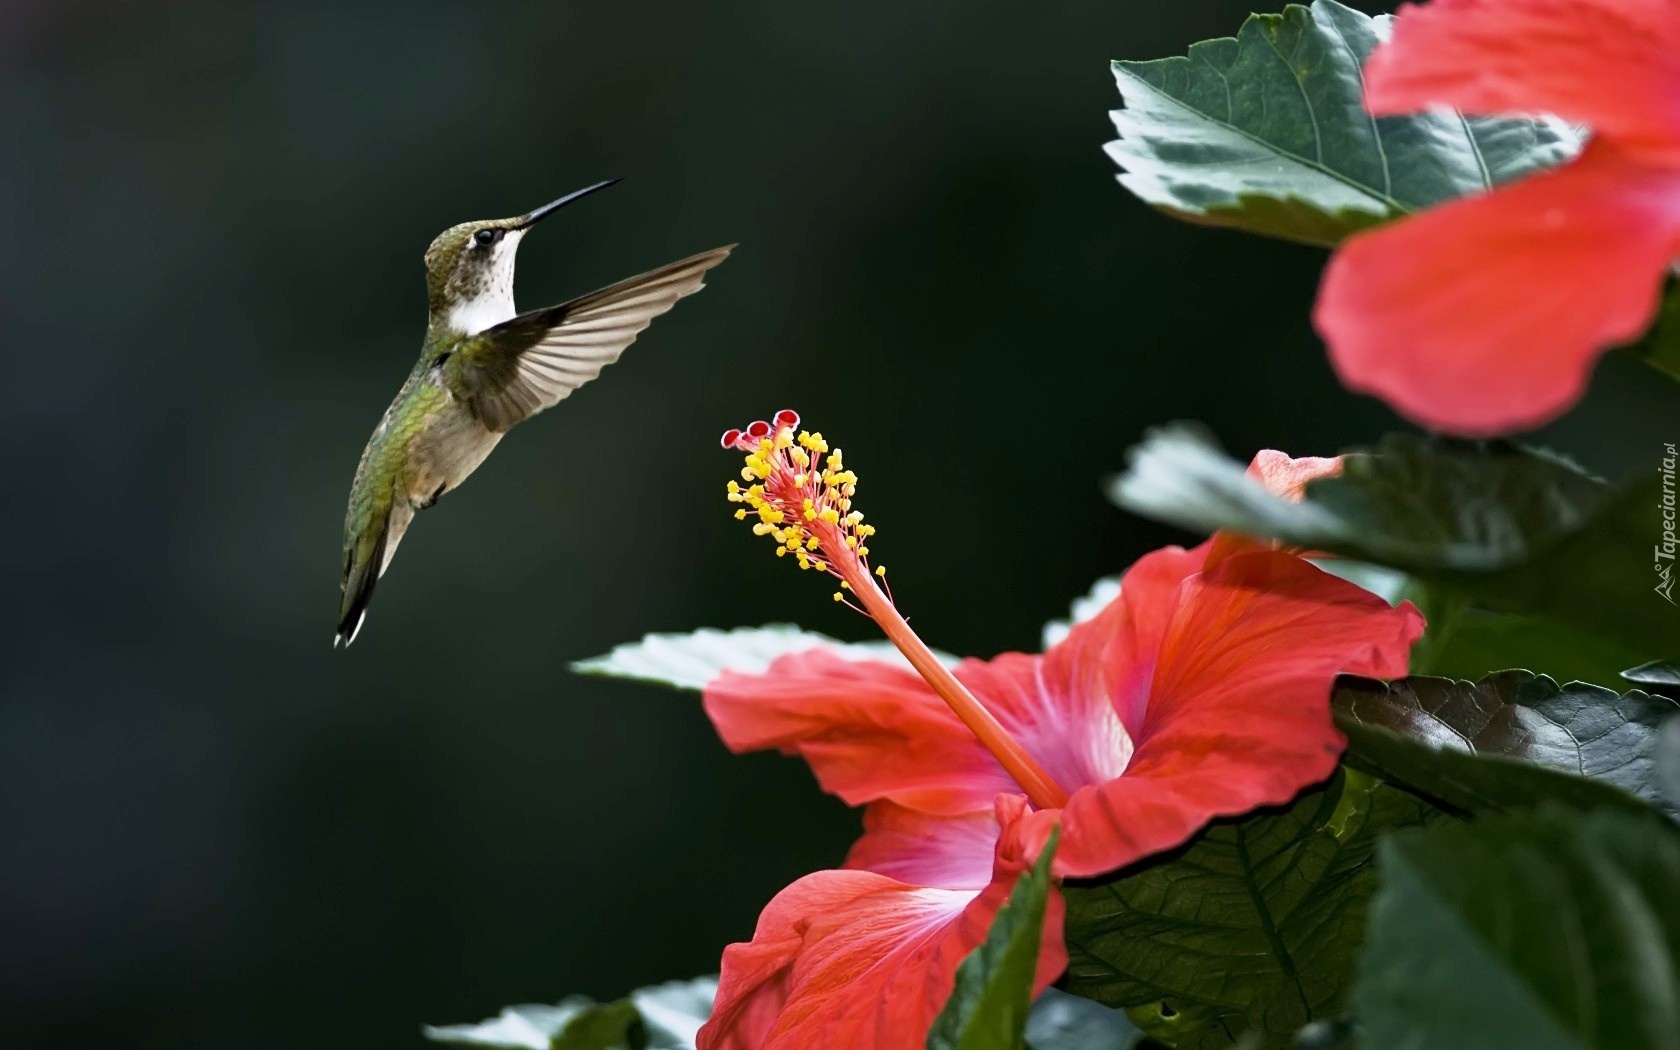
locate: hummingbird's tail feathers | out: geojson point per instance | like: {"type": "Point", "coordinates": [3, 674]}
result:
{"type": "Point", "coordinates": [366, 558]}
{"type": "Point", "coordinates": [364, 563]}
{"type": "Point", "coordinates": [514, 370]}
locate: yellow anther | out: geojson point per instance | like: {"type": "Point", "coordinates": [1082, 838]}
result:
{"type": "Point", "coordinates": [854, 517]}
{"type": "Point", "coordinates": [839, 597]}
{"type": "Point", "coordinates": [845, 504]}
{"type": "Point", "coordinates": [866, 530]}
{"type": "Point", "coordinates": [820, 565]}
{"type": "Point", "coordinates": [881, 570]}
{"type": "Point", "coordinates": [784, 438]}
{"type": "Point", "coordinates": [845, 586]}
{"type": "Point", "coordinates": [781, 552]}
{"type": "Point", "coordinates": [811, 544]}
{"type": "Point", "coordinates": [851, 541]}
{"type": "Point", "coordinates": [741, 515]}
{"type": "Point", "coordinates": [863, 552]}
{"type": "Point", "coordinates": [799, 479]}
{"type": "Point", "coordinates": [763, 528]}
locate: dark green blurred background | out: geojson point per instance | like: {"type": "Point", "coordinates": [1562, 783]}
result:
{"type": "Point", "coordinates": [219, 831]}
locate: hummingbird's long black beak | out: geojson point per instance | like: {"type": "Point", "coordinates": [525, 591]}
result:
{"type": "Point", "coordinates": [553, 206]}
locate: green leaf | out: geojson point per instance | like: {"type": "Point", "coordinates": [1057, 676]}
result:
{"type": "Point", "coordinates": [663, 1017]}
{"type": "Point", "coordinates": [1513, 739]}
{"type": "Point", "coordinates": [1468, 643]}
{"type": "Point", "coordinates": [1660, 348]}
{"type": "Point", "coordinates": [610, 1026]}
{"type": "Point", "coordinates": [1252, 926]}
{"type": "Point", "coordinates": [1513, 530]}
{"type": "Point", "coordinates": [1268, 133]}
{"type": "Point", "coordinates": [1656, 674]}
{"type": "Point", "coordinates": [1668, 761]}
{"type": "Point", "coordinates": [1083, 608]}
{"type": "Point", "coordinates": [1060, 1021]}
{"type": "Point", "coordinates": [1549, 931]}
{"type": "Point", "coordinates": [989, 1002]}
{"type": "Point", "coordinates": [689, 661]}
{"type": "Point", "coordinates": [532, 1025]}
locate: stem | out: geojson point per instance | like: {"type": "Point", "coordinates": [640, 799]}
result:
{"type": "Point", "coordinates": [1044, 792]}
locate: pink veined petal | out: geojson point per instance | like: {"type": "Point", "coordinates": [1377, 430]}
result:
{"type": "Point", "coordinates": [1283, 476]}
{"type": "Point", "coordinates": [1086, 666]}
{"type": "Point", "coordinates": [1064, 717]}
{"type": "Point", "coordinates": [851, 958]}
{"type": "Point", "coordinates": [1237, 713]}
{"type": "Point", "coordinates": [953, 853]}
{"type": "Point", "coordinates": [1485, 315]}
{"type": "Point", "coordinates": [1610, 64]}
{"type": "Point", "coordinates": [1287, 477]}
{"type": "Point", "coordinates": [868, 729]}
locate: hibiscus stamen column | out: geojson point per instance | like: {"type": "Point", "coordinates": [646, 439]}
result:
{"type": "Point", "coordinates": [802, 493]}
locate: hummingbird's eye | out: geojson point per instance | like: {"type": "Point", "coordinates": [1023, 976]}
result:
{"type": "Point", "coordinates": [487, 237]}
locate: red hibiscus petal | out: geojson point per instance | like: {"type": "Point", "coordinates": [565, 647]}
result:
{"type": "Point", "coordinates": [851, 958]}
{"type": "Point", "coordinates": [1612, 64]}
{"type": "Point", "coordinates": [753, 984]}
{"type": "Point", "coordinates": [1485, 315]}
{"type": "Point", "coordinates": [1237, 710]}
{"type": "Point", "coordinates": [868, 729]}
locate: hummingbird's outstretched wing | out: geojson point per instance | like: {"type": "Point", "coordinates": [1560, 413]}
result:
{"type": "Point", "coordinates": [512, 371]}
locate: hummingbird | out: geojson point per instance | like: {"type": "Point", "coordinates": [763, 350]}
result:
{"type": "Point", "coordinates": [483, 369]}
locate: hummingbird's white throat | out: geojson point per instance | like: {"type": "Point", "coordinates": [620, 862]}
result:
{"type": "Point", "coordinates": [494, 302]}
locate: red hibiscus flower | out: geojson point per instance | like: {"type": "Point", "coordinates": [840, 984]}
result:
{"type": "Point", "coordinates": [1485, 315]}
{"type": "Point", "coordinates": [1202, 691]}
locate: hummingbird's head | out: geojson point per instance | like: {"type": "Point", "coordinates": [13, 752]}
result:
{"type": "Point", "coordinates": [469, 267]}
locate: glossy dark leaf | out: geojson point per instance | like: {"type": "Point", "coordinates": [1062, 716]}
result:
{"type": "Point", "coordinates": [1655, 674]}
{"type": "Point", "coordinates": [1660, 348]}
{"type": "Point", "coordinates": [1253, 926]}
{"type": "Point", "coordinates": [1060, 1021]}
{"type": "Point", "coordinates": [689, 660]}
{"type": "Point", "coordinates": [1513, 739]}
{"type": "Point", "coordinates": [1267, 132]}
{"type": "Point", "coordinates": [1558, 930]}
{"type": "Point", "coordinates": [663, 1017]}
{"type": "Point", "coordinates": [1467, 643]}
{"type": "Point", "coordinates": [1513, 530]}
